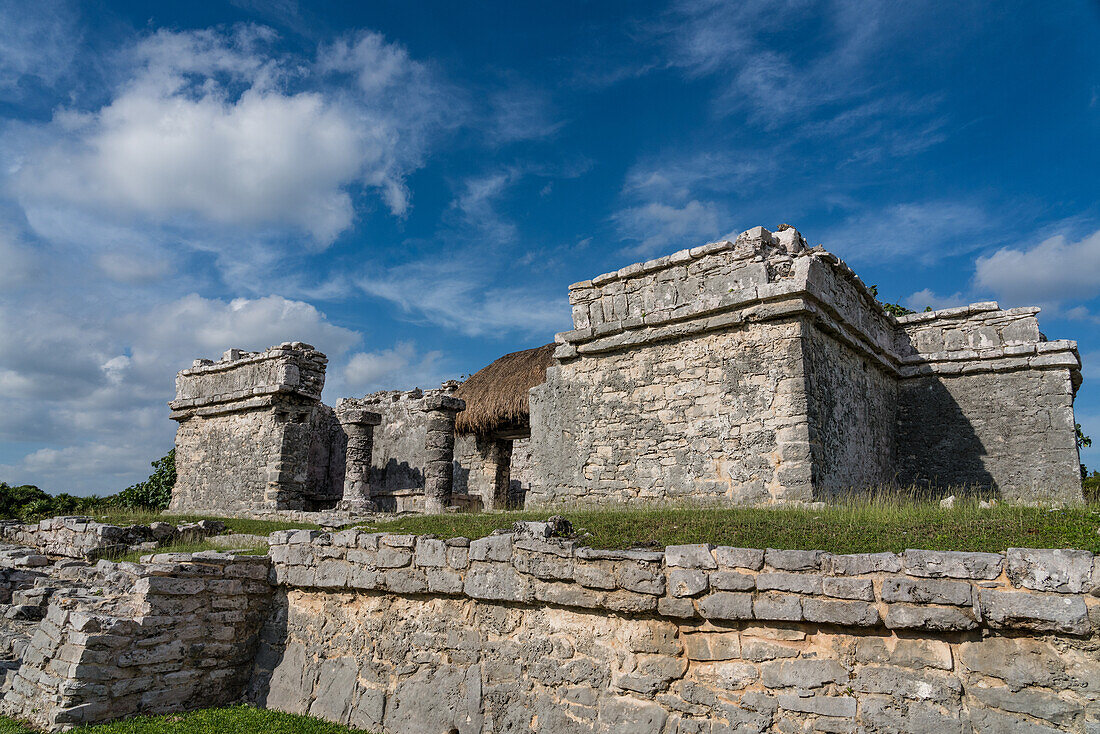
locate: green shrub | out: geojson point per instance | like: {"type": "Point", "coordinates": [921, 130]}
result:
{"type": "Point", "coordinates": [156, 491]}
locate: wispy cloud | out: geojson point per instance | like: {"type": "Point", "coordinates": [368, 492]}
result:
{"type": "Point", "coordinates": [460, 295]}
{"type": "Point", "coordinates": [1054, 271]}
{"type": "Point", "coordinates": [924, 231]}
{"type": "Point", "coordinates": [654, 226]}
{"type": "Point", "coordinates": [38, 42]}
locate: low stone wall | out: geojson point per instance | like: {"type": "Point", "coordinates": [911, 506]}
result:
{"type": "Point", "coordinates": [399, 633]}
{"type": "Point", "coordinates": [175, 634]}
{"type": "Point", "coordinates": [82, 537]}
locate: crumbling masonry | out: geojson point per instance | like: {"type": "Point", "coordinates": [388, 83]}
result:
{"type": "Point", "coordinates": [751, 372]}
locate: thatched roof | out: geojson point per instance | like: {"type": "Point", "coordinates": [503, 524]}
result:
{"type": "Point", "coordinates": [496, 397]}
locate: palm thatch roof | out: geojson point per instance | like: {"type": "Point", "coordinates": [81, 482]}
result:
{"type": "Point", "coordinates": [496, 397]}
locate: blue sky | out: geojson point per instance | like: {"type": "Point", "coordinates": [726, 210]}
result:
{"type": "Point", "coordinates": [412, 186]}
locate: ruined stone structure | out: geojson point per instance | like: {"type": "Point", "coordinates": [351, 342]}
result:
{"type": "Point", "coordinates": [411, 465]}
{"type": "Point", "coordinates": [761, 370]}
{"type": "Point", "coordinates": [401, 634]}
{"type": "Point", "coordinates": [255, 437]}
{"type": "Point", "coordinates": [749, 372]}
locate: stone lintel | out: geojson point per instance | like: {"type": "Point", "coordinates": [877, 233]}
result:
{"type": "Point", "coordinates": [444, 403]}
{"type": "Point", "coordinates": [361, 417]}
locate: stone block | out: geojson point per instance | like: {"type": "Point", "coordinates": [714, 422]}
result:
{"type": "Point", "coordinates": [848, 588]}
{"type": "Point", "coordinates": [927, 617]}
{"type": "Point", "coordinates": [726, 605]}
{"type": "Point", "coordinates": [712, 646]}
{"type": "Point", "coordinates": [491, 548]}
{"type": "Point", "coordinates": [732, 581]}
{"type": "Point", "coordinates": [496, 582]}
{"type": "Point", "coordinates": [687, 582]}
{"type": "Point", "coordinates": [922, 591]}
{"type": "Point", "coordinates": [595, 574]}
{"type": "Point", "coordinates": [804, 673]}
{"type": "Point", "coordinates": [690, 556]}
{"type": "Point", "coordinates": [906, 652]}
{"type": "Point", "coordinates": [750, 558]}
{"type": "Point", "coordinates": [789, 582]}
{"type": "Point", "coordinates": [1041, 612]}
{"type": "Point", "coordinates": [430, 553]}
{"type": "Point", "coordinates": [792, 560]}
{"type": "Point", "coordinates": [841, 613]}
{"type": "Point", "coordinates": [777, 607]}
{"type": "Point", "coordinates": [643, 578]}
{"type": "Point", "coordinates": [1063, 571]}
{"type": "Point", "coordinates": [952, 564]}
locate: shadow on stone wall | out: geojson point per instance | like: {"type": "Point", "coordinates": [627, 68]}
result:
{"type": "Point", "coordinates": [395, 476]}
{"type": "Point", "coordinates": [938, 450]}
{"type": "Point", "coordinates": [270, 653]}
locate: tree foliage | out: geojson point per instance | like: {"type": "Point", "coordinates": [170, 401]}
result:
{"type": "Point", "coordinates": [27, 502]}
{"type": "Point", "coordinates": [156, 491]}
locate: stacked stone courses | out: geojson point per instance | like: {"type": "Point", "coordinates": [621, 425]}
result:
{"type": "Point", "coordinates": [177, 633]}
{"type": "Point", "coordinates": [513, 633]}
{"type": "Point", "coordinates": [762, 370]}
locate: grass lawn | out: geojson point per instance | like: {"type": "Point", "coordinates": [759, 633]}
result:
{"type": "Point", "coordinates": [237, 525]}
{"type": "Point", "coordinates": [856, 527]}
{"type": "Point", "coordinates": [230, 720]}
{"type": "Point", "coordinates": [201, 545]}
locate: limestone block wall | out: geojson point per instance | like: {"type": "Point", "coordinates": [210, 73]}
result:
{"type": "Point", "coordinates": [397, 633]}
{"type": "Point", "coordinates": [175, 634]}
{"type": "Point", "coordinates": [253, 434]}
{"type": "Point", "coordinates": [852, 409]}
{"type": "Point", "coordinates": [985, 400]}
{"type": "Point", "coordinates": [709, 416]}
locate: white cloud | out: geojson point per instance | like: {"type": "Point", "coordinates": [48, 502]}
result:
{"type": "Point", "coordinates": [78, 376]}
{"type": "Point", "coordinates": [814, 69]}
{"type": "Point", "coordinates": [657, 226]}
{"type": "Point", "coordinates": [401, 367]}
{"type": "Point", "coordinates": [520, 113]}
{"type": "Point", "coordinates": [204, 127]}
{"type": "Point", "coordinates": [1054, 271]}
{"type": "Point", "coordinates": [927, 297]}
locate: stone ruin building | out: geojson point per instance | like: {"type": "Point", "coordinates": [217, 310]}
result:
{"type": "Point", "coordinates": [756, 371]}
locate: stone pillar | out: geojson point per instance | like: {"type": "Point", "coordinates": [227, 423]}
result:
{"type": "Point", "coordinates": [496, 453]}
{"type": "Point", "coordinates": [358, 426]}
{"type": "Point", "coordinates": [440, 443]}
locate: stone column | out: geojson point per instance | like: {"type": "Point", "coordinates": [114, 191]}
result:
{"type": "Point", "coordinates": [358, 426]}
{"type": "Point", "coordinates": [496, 455]}
{"type": "Point", "coordinates": [440, 444]}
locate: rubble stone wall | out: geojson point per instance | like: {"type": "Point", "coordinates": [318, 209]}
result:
{"type": "Point", "coordinates": [82, 537]}
{"type": "Point", "coordinates": [404, 634]}
{"type": "Point", "coordinates": [988, 403]}
{"type": "Point", "coordinates": [701, 417]}
{"type": "Point", "coordinates": [811, 387]}
{"type": "Point", "coordinates": [176, 634]}
{"type": "Point", "coordinates": [852, 405]}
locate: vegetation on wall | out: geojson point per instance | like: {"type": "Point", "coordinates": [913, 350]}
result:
{"type": "Point", "coordinates": [27, 502]}
{"type": "Point", "coordinates": [894, 309]}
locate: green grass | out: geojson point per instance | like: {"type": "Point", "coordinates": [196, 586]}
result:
{"type": "Point", "coordinates": [237, 525]}
{"type": "Point", "coordinates": [230, 720]}
{"type": "Point", "coordinates": [854, 527]}
{"type": "Point", "coordinates": [253, 549]}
